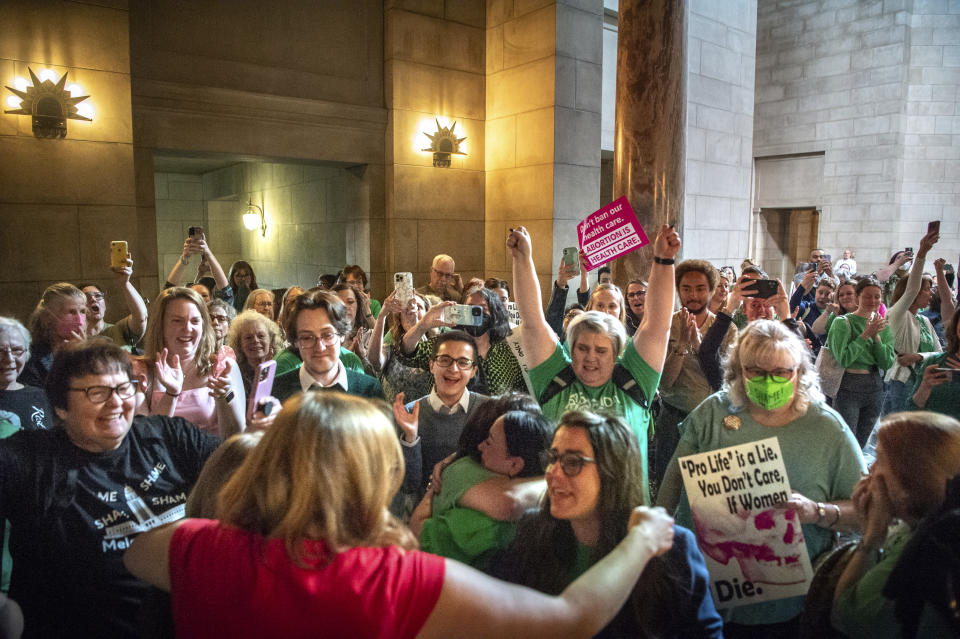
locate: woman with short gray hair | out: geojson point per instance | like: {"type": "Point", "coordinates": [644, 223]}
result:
{"type": "Point", "coordinates": [603, 371]}
{"type": "Point", "coordinates": [23, 406]}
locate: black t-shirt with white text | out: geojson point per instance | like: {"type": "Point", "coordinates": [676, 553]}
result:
{"type": "Point", "coordinates": [73, 513]}
{"type": "Point", "coordinates": [27, 408]}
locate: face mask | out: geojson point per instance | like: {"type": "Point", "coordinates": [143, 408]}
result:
{"type": "Point", "coordinates": [769, 392]}
{"type": "Point", "coordinates": [68, 324]}
{"type": "Point", "coordinates": [477, 331]}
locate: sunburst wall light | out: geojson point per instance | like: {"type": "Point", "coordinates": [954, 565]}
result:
{"type": "Point", "coordinates": [50, 103]}
{"type": "Point", "coordinates": [444, 143]}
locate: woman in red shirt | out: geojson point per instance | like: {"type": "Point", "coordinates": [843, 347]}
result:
{"type": "Point", "coordinates": [305, 545]}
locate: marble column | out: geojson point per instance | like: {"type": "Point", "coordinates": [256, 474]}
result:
{"type": "Point", "coordinates": [648, 164]}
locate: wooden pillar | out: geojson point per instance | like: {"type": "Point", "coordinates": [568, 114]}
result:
{"type": "Point", "coordinates": [649, 154]}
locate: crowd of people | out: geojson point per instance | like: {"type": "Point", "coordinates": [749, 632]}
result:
{"type": "Point", "coordinates": [460, 459]}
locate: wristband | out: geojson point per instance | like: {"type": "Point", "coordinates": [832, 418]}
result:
{"type": "Point", "coordinates": [663, 260]}
{"type": "Point", "coordinates": [171, 394]}
{"type": "Point", "coordinates": [229, 397]}
{"type": "Point", "coordinates": [837, 520]}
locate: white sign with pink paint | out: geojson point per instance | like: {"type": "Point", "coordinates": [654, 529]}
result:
{"type": "Point", "coordinates": [609, 233]}
{"type": "Point", "coordinates": [754, 550]}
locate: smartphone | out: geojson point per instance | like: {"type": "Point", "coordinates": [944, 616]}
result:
{"type": "Point", "coordinates": [933, 227]}
{"type": "Point", "coordinates": [909, 250]}
{"type": "Point", "coordinates": [571, 260]}
{"type": "Point", "coordinates": [827, 258]}
{"type": "Point", "coordinates": [765, 288]}
{"type": "Point", "coordinates": [118, 254]}
{"type": "Point", "coordinates": [805, 267]}
{"type": "Point", "coordinates": [403, 285]}
{"type": "Point", "coordinates": [195, 231]}
{"type": "Point", "coordinates": [262, 386]}
{"type": "Point", "coordinates": [954, 372]}
{"type": "Point", "coordinates": [463, 315]}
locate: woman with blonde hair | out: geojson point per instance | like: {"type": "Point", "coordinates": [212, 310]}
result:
{"type": "Point", "coordinates": [182, 372]}
{"type": "Point", "coordinates": [255, 339]}
{"type": "Point", "coordinates": [771, 389]}
{"type": "Point", "coordinates": [608, 298]}
{"type": "Point", "coordinates": [261, 301]}
{"type": "Point", "coordinates": [59, 319]}
{"type": "Point", "coordinates": [395, 376]}
{"type": "Point", "coordinates": [305, 518]}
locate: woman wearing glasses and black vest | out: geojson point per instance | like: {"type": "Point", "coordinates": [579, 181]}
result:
{"type": "Point", "coordinates": [594, 473]}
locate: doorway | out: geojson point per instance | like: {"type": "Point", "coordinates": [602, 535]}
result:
{"type": "Point", "coordinates": [785, 238]}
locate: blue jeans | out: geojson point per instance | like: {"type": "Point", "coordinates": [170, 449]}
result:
{"type": "Point", "coordinates": [895, 396]}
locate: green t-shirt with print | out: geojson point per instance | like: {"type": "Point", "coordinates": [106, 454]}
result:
{"type": "Point", "coordinates": [607, 398]}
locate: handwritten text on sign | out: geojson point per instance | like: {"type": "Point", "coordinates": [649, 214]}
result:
{"type": "Point", "coordinates": [734, 493]}
{"type": "Point", "coordinates": [609, 233]}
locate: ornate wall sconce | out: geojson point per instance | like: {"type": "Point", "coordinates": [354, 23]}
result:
{"type": "Point", "coordinates": [49, 103]}
{"type": "Point", "coordinates": [254, 218]}
{"type": "Point", "coordinates": [443, 144]}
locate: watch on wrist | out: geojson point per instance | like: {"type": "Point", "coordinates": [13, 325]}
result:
{"type": "Point", "coordinates": [821, 512]}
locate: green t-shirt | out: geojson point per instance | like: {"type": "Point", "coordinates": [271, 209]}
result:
{"type": "Point", "coordinates": [823, 463]}
{"type": "Point", "coordinates": [944, 398]}
{"type": "Point", "coordinates": [852, 351]}
{"type": "Point", "coordinates": [121, 333]}
{"type": "Point", "coordinates": [7, 428]}
{"type": "Point", "coordinates": [459, 533]}
{"type": "Point", "coordinates": [584, 558]}
{"type": "Point", "coordinates": [288, 361]}
{"type": "Point", "coordinates": [608, 398]}
{"type": "Point", "coordinates": [862, 610]}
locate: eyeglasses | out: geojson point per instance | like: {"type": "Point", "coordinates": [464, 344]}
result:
{"type": "Point", "coordinates": [310, 341]}
{"type": "Point", "coordinates": [784, 373]}
{"type": "Point", "coordinates": [445, 361]}
{"type": "Point", "coordinates": [100, 394]}
{"type": "Point", "coordinates": [570, 463]}
{"type": "Point", "coordinates": [637, 294]}
{"type": "Point", "coordinates": [16, 351]}
{"type": "Point", "coordinates": [94, 296]}
{"type": "Point", "coordinates": [442, 274]}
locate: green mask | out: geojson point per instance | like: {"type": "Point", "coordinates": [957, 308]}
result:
{"type": "Point", "coordinates": [769, 392]}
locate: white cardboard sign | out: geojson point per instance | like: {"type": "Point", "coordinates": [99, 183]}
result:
{"type": "Point", "coordinates": [754, 550]}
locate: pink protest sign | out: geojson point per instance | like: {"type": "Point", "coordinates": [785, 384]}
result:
{"type": "Point", "coordinates": [609, 233]}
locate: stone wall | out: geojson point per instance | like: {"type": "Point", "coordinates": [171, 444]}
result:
{"type": "Point", "coordinates": [931, 140]}
{"type": "Point", "coordinates": [64, 200]}
{"type": "Point", "coordinates": [543, 126]}
{"type": "Point", "coordinates": [302, 82]}
{"type": "Point", "coordinates": [316, 219]}
{"type": "Point", "coordinates": [872, 86]}
{"type": "Point", "coordinates": [434, 69]}
{"type": "Point", "coordinates": [180, 204]}
{"type": "Point", "coordinates": [721, 44]}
